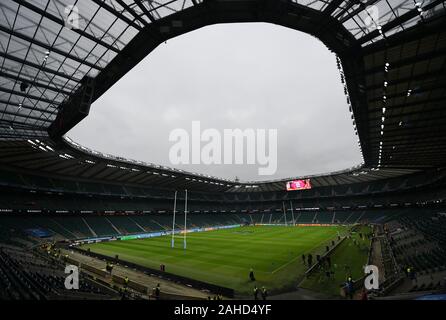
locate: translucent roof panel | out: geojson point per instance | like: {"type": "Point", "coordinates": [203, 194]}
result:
{"type": "Point", "coordinates": [382, 18]}
{"type": "Point", "coordinates": [48, 47]}
{"type": "Point", "coordinates": [314, 4]}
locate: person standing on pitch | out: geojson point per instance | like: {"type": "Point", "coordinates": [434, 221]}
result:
{"type": "Point", "coordinates": [256, 293]}
{"type": "Point", "coordinates": [349, 287]}
{"type": "Point", "coordinates": [310, 260]}
{"type": "Point", "coordinates": [264, 293]}
{"type": "Point", "coordinates": [251, 275]}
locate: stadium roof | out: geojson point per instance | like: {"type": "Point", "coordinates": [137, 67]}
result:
{"type": "Point", "coordinates": [73, 161]}
{"type": "Point", "coordinates": [392, 57]}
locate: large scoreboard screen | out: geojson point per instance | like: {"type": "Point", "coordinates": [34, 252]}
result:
{"type": "Point", "coordinates": [298, 185]}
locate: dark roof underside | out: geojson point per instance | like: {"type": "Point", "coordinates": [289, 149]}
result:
{"type": "Point", "coordinates": [393, 62]}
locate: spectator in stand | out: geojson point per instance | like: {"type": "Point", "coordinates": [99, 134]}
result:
{"type": "Point", "coordinates": [157, 291]}
{"type": "Point", "coordinates": [109, 268]}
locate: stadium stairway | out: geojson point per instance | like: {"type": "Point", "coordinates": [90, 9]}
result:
{"type": "Point", "coordinates": [101, 226]}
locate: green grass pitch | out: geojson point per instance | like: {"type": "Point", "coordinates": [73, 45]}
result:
{"type": "Point", "coordinates": [224, 257]}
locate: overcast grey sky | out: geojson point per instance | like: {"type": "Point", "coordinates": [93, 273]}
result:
{"type": "Point", "coordinates": [230, 76]}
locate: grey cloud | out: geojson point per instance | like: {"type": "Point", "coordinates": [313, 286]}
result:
{"type": "Point", "coordinates": [230, 76]}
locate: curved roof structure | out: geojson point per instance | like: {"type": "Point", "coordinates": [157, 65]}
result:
{"type": "Point", "coordinates": [58, 57]}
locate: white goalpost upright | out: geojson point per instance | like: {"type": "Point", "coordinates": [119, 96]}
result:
{"type": "Point", "coordinates": [185, 222]}
{"type": "Point", "coordinates": [284, 213]}
{"type": "Point", "coordinates": [173, 220]}
{"type": "Point", "coordinates": [292, 212]}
